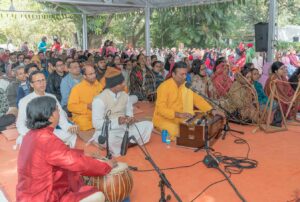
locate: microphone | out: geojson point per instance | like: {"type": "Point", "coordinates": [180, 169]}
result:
{"type": "Point", "coordinates": [125, 141]}
{"type": "Point", "coordinates": [188, 85]}
{"type": "Point", "coordinates": [102, 137]}
{"type": "Point", "coordinates": [104, 131]}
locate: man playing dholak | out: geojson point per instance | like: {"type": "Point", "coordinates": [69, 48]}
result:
{"type": "Point", "coordinates": [48, 170]}
{"type": "Point", "coordinates": [114, 102]}
{"type": "Point", "coordinates": [175, 103]}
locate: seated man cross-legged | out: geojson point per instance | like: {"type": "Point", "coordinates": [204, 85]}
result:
{"type": "Point", "coordinates": [115, 100]}
{"type": "Point", "coordinates": [175, 102]}
{"type": "Point", "coordinates": [66, 132]}
{"type": "Point", "coordinates": [81, 98]}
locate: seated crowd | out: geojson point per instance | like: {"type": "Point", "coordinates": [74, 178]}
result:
{"type": "Point", "coordinates": [82, 88]}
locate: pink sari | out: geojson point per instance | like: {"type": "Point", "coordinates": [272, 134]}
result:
{"type": "Point", "coordinates": [221, 81]}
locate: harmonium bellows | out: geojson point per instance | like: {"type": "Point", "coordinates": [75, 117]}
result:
{"type": "Point", "coordinates": [191, 132]}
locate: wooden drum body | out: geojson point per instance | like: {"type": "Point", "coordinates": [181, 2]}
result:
{"type": "Point", "coordinates": [192, 135]}
{"type": "Point", "coordinates": [116, 185]}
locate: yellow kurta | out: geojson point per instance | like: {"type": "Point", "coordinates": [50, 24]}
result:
{"type": "Point", "coordinates": [81, 95]}
{"type": "Point", "coordinates": [171, 99]}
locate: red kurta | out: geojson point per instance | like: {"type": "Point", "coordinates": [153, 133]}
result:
{"type": "Point", "coordinates": [50, 171]}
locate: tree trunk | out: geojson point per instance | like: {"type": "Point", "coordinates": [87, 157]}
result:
{"type": "Point", "coordinates": [136, 37]}
{"type": "Point", "coordinates": [95, 41]}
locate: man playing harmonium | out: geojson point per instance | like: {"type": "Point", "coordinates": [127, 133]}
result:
{"type": "Point", "coordinates": [175, 103]}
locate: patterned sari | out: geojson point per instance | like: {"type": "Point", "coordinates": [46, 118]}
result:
{"type": "Point", "coordinates": [221, 81]}
{"type": "Point", "coordinates": [284, 90]}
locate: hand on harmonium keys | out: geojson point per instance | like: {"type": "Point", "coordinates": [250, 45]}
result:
{"type": "Point", "coordinates": [183, 115]}
{"type": "Point", "coordinates": [215, 112]}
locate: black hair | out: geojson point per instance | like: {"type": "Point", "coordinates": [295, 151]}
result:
{"type": "Point", "coordinates": [248, 65]}
{"type": "Point", "coordinates": [124, 56]}
{"type": "Point", "coordinates": [38, 112]}
{"type": "Point", "coordinates": [155, 62]}
{"type": "Point", "coordinates": [275, 66]}
{"type": "Point", "coordinates": [153, 56]}
{"type": "Point", "coordinates": [110, 64]}
{"type": "Point", "coordinates": [58, 60]}
{"type": "Point", "coordinates": [27, 67]}
{"type": "Point", "coordinates": [110, 55]}
{"type": "Point", "coordinates": [219, 61]}
{"type": "Point", "coordinates": [34, 73]}
{"type": "Point", "coordinates": [82, 58]}
{"type": "Point", "coordinates": [196, 65]}
{"type": "Point", "coordinates": [20, 55]}
{"type": "Point", "coordinates": [245, 71]}
{"type": "Point", "coordinates": [101, 58]}
{"type": "Point", "coordinates": [167, 63]}
{"type": "Point", "coordinates": [133, 58]}
{"type": "Point", "coordinates": [52, 61]}
{"type": "Point", "coordinates": [116, 55]}
{"type": "Point", "coordinates": [179, 65]}
{"type": "Point", "coordinates": [139, 55]}
{"type": "Point", "coordinates": [74, 61]}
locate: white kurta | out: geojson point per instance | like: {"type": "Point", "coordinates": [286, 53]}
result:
{"type": "Point", "coordinates": [63, 134]}
{"type": "Point", "coordinates": [116, 131]}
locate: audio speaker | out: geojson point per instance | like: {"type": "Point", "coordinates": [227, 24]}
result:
{"type": "Point", "coordinates": [296, 39]}
{"type": "Point", "coordinates": [261, 37]}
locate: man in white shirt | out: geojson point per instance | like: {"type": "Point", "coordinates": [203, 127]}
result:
{"type": "Point", "coordinates": [67, 131]}
{"type": "Point", "coordinates": [115, 103]}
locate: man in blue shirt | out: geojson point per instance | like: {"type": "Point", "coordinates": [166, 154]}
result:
{"type": "Point", "coordinates": [24, 87]}
{"type": "Point", "coordinates": [68, 82]}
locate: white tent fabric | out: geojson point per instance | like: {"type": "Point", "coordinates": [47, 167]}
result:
{"type": "Point", "coordinates": [95, 7]}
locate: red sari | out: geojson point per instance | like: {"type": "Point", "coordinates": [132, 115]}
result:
{"type": "Point", "coordinates": [50, 171]}
{"type": "Point", "coordinates": [221, 82]}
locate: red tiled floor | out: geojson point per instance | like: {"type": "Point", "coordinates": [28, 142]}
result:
{"type": "Point", "coordinates": [276, 179]}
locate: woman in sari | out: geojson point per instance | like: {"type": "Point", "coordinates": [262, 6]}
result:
{"type": "Point", "coordinates": [220, 79]}
{"type": "Point", "coordinates": [142, 80]}
{"type": "Point", "coordinates": [284, 90]}
{"type": "Point", "coordinates": [200, 80]}
{"type": "Point", "coordinates": [241, 100]}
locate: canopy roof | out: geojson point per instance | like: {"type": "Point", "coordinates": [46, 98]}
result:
{"type": "Point", "coordinates": [95, 7]}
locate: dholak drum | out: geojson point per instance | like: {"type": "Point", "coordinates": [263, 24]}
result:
{"type": "Point", "coordinates": [116, 185]}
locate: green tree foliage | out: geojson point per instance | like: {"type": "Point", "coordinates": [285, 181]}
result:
{"type": "Point", "coordinates": [196, 26]}
{"type": "Point", "coordinates": [30, 27]}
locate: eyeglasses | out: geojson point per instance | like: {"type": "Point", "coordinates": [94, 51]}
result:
{"type": "Point", "coordinates": [39, 81]}
{"type": "Point", "coordinates": [90, 74]}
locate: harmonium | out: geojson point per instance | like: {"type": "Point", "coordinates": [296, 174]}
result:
{"type": "Point", "coordinates": [192, 131]}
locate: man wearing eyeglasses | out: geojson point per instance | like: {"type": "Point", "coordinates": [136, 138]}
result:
{"type": "Point", "coordinates": [81, 98]}
{"type": "Point", "coordinates": [55, 78]}
{"type": "Point", "coordinates": [67, 131]}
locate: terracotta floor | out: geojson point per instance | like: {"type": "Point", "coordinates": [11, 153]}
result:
{"type": "Point", "coordinates": [276, 179]}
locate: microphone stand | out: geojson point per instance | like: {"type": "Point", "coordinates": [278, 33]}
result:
{"type": "Point", "coordinates": [163, 179]}
{"type": "Point", "coordinates": [213, 162]}
{"type": "Point", "coordinates": [227, 113]}
{"type": "Point", "coordinates": [106, 125]}
{"type": "Point", "coordinates": [206, 146]}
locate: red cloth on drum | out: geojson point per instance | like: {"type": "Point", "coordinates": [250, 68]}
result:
{"type": "Point", "coordinates": [48, 170]}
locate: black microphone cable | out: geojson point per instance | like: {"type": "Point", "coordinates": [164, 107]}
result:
{"type": "Point", "coordinates": [105, 125]}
